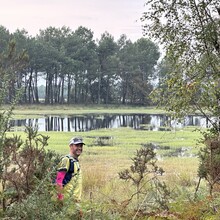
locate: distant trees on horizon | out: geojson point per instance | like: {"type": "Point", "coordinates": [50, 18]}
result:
{"type": "Point", "coordinates": [77, 69]}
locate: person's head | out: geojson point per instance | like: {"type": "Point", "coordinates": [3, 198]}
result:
{"type": "Point", "coordinates": [76, 146]}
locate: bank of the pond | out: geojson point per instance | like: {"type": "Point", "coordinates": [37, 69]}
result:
{"type": "Point", "coordinates": [32, 111]}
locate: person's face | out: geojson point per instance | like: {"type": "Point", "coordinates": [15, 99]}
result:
{"type": "Point", "coordinates": [76, 149]}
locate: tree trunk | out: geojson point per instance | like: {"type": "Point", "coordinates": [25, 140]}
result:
{"type": "Point", "coordinates": [36, 87]}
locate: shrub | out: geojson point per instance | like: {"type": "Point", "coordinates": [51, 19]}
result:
{"type": "Point", "coordinates": [28, 169]}
{"type": "Point", "coordinates": [143, 173]}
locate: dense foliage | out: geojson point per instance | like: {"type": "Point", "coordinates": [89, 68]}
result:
{"type": "Point", "coordinates": [10, 64]}
{"type": "Point", "coordinates": [76, 69]}
{"type": "Point", "coordinates": [189, 32]}
{"type": "Point", "coordinates": [190, 72]}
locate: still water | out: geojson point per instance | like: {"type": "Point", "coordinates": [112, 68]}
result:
{"type": "Point", "coordinates": [95, 121]}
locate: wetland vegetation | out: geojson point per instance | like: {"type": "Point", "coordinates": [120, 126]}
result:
{"type": "Point", "coordinates": [110, 151]}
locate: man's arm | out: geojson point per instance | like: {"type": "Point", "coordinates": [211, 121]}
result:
{"type": "Point", "coordinates": [59, 183]}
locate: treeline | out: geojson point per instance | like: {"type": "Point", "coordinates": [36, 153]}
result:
{"type": "Point", "coordinates": [76, 68]}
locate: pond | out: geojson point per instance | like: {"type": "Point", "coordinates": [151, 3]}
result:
{"type": "Point", "coordinates": [89, 122]}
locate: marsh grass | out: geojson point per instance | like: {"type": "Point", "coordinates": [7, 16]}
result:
{"type": "Point", "coordinates": [180, 171]}
{"type": "Point", "coordinates": [126, 142]}
{"type": "Point", "coordinates": [101, 164]}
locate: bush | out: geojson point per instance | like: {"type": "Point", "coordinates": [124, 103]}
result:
{"type": "Point", "coordinates": [28, 171]}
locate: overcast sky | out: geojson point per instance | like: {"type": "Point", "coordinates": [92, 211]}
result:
{"type": "Point", "coordinates": [114, 16]}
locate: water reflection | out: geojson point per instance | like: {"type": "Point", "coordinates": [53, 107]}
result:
{"type": "Point", "coordinates": [95, 121]}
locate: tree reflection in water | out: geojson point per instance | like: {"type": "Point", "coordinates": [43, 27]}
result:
{"type": "Point", "coordinates": [95, 121]}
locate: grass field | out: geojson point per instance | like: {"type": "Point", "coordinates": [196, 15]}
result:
{"type": "Point", "coordinates": [109, 151]}
{"type": "Point", "coordinates": [103, 159]}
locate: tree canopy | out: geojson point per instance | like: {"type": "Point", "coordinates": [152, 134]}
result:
{"type": "Point", "coordinates": [189, 32]}
{"type": "Point", "coordinates": [76, 69]}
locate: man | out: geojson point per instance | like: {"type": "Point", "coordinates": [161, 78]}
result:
{"type": "Point", "coordinates": [69, 178]}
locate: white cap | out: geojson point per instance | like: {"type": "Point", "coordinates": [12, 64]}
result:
{"type": "Point", "coordinates": [76, 140]}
